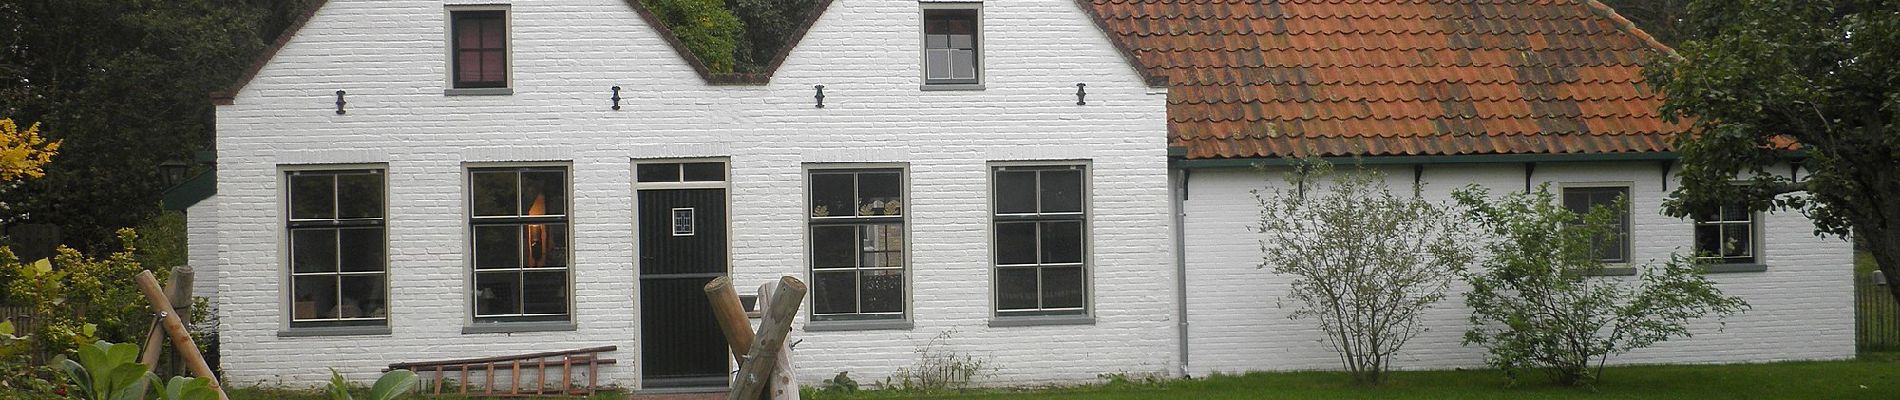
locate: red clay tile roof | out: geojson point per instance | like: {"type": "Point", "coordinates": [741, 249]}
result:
{"type": "Point", "coordinates": [1273, 78]}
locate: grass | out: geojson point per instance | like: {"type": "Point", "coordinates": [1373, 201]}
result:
{"type": "Point", "coordinates": [1874, 376]}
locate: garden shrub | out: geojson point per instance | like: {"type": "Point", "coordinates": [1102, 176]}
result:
{"type": "Point", "coordinates": [707, 28]}
{"type": "Point", "coordinates": [78, 299]}
{"type": "Point", "coordinates": [1538, 302]}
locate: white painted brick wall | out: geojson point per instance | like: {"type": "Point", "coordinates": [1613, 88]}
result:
{"type": "Point", "coordinates": [390, 56]}
{"type": "Point", "coordinates": [1802, 305]}
{"type": "Point", "coordinates": [201, 247]}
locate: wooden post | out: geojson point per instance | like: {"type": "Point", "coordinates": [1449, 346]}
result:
{"type": "Point", "coordinates": [178, 289]}
{"type": "Point", "coordinates": [731, 316]}
{"type": "Point", "coordinates": [181, 339]}
{"type": "Point", "coordinates": [762, 358]}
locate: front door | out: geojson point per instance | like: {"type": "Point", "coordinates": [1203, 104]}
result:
{"type": "Point", "coordinates": [682, 246]}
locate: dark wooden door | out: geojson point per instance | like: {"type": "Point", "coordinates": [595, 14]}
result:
{"type": "Point", "coordinates": [682, 246]}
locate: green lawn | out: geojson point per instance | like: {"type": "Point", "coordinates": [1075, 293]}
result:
{"type": "Point", "coordinates": [1876, 376]}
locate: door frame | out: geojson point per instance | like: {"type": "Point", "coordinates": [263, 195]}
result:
{"type": "Point", "coordinates": [634, 183]}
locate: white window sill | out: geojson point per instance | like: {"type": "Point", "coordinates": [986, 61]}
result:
{"type": "Point", "coordinates": [518, 327]}
{"type": "Point", "coordinates": [334, 331]}
{"type": "Point", "coordinates": [945, 87]}
{"type": "Point", "coordinates": [500, 91]}
{"type": "Point", "coordinates": [871, 325]}
{"type": "Point", "coordinates": [1048, 320]}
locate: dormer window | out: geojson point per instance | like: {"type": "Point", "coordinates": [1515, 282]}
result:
{"type": "Point", "coordinates": [951, 36]}
{"type": "Point", "coordinates": [478, 51]}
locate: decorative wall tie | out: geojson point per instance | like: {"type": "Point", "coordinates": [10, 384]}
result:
{"type": "Point", "coordinates": [340, 102]}
{"type": "Point", "coordinates": [1081, 95]}
{"type": "Point", "coordinates": [820, 96]}
{"type": "Point", "coordinates": [616, 98]}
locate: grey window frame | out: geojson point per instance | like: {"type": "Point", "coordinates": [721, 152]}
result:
{"type": "Point", "coordinates": [858, 319]}
{"type": "Point", "coordinates": [479, 321]}
{"type": "Point", "coordinates": [1751, 220]}
{"type": "Point", "coordinates": [926, 9]}
{"type": "Point", "coordinates": [1625, 229]}
{"type": "Point", "coordinates": [1042, 315]}
{"type": "Point", "coordinates": [455, 87]}
{"type": "Point", "coordinates": [292, 225]}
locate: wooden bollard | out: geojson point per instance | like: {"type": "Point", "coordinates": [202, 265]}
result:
{"type": "Point", "coordinates": [731, 316]}
{"type": "Point", "coordinates": [181, 339]}
{"type": "Point", "coordinates": [178, 289]}
{"type": "Point", "coordinates": [761, 360]}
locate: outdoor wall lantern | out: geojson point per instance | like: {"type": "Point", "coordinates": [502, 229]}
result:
{"type": "Point", "coordinates": [1080, 94]}
{"type": "Point", "coordinates": [173, 171]}
{"type": "Point", "coordinates": [820, 96]}
{"type": "Point", "coordinates": [1880, 278]}
{"type": "Point", "coordinates": [339, 102]}
{"type": "Point", "coordinates": [616, 98]}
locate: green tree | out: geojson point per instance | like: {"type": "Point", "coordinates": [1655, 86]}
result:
{"type": "Point", "coordinates": [769, 24]}
{"type": "Point", "coordinates": [707, 28]}
{"type": "Point", "coordinates": [1538, 303]}
{"type": "Point", "coordinates": [1765, 79]}
{"type": "Point", "coordinates": [123, 84]}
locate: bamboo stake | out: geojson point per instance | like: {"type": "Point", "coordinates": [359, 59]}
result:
{"type": "Point", "coordinates": [762, 358]}
{"type": "Point", "coordinates": [731, 316]}
{"type": "Point", "coordinates": [178, 289]}
{"type": "Point", "coordinates": [181, 340]}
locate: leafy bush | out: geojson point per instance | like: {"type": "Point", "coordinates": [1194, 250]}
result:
{"type": "Point", "coordinates": [1365, 263]}
{"type": "Point", "coordinates": [707, 28]}
{"type": "Point", "coordinates": [77, 299]}
{"type": "Point", "coordinates": [768, 25]}
{"type": "Point", "coordinates": [1536, 305]}
{"type": "Point", "coordinates": [19, 377]}
{"type": "Point", "coordinates": [391, 385]}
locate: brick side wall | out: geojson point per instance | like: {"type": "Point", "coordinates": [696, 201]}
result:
{"type": "Point", "coordinates": [390, 57]}
{"type": "Point", "coordinates": [1237, 313]}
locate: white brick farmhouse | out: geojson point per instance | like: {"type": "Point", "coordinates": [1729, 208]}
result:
{"type": "Point", "coordinates": [1061, 184]}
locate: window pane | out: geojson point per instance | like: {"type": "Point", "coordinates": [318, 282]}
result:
{"type": "Point", "coordinates": [360, 196]}
{"type": "Point", "coordinates": [963, 64]}
{"type": "Point", "coordinates": [1577, 201]}
{"type": "Point", "coordinates": [1061, 191]}
{"type": "Point", "coordinates": [546, 245]}
{"type": "Point", "coordinates": [877, 189]}
{"type": "Point", "coordinates": [492, 31]}
{"type": "Point", "coordinates": [1015, 288]}
{"type": "Point", "coordinates": [497, 292]}
{"type": "Point", "coordinates": [544, 193]}
{"type": "Point", "coordinates": [937, 64]}
{"type": "Point", "coordinates": [1016, 243]}
{"type": "Point", "coordinates": [313, 250]}
{"type": "Point", "coordinates": [467, 34]}
{"type": "Point", "coordinates": [704, 172]}
{"type": "Point", "coordinates": [936, 41]}
{"type": "Point", "coordinates": [544, 292]}
{"type": "Point", "coordinates": [963, 42]}
{"type": "Point", "coordinates": [668, 172]}
{"type": "Point", "coordinates": [1061, 242]}
{"type": "Point", "coordinates": [1062, 287]}
{"type": "Point", "coordinates": [313, 297]}
{"type": "Point", "coordinates": [883, 291]}
{"type": "Point", "coordinates": [497, 246]}
{"type": "Point", "coordinates": [312, 196]}
{"type": "Point", "coordinates": [362, 249]}
{"type": "Point", "coordinates": [1734, 213]}
{"type": "Point", "coordinates": [493, 69]}
{"type": "Point", "coordinates": [493, 193]}
{"type": "Point", "coordinates": [1015, 192]}
{"type": "Point", "coordinates": [834, 292]}
{"type": "Point", "coordinates": [1708, 240]}
{"type": "Point", "coordinates": [882, 245]}
{"type": "Point", "coordinates": [832, 195]}
{"type": "Point", "coordinates": [468, 66]}
{"type": "Point", "coordinates": [1736, 240]}
{"type": "Point", "coordinates": [834, 246]}
{"type": "Point", "coordinates": [363, 297]}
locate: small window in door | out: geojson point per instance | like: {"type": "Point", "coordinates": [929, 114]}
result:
{"type": "Point", "coordinates": [682, 222]}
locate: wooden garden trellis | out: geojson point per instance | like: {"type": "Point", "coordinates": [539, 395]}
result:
{"type": "Point", "coordinates": [586, 360]}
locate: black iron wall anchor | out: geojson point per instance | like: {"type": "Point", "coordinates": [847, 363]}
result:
{"type": "Point", "coordinates": [616, 98]}
{"type": "Point", "coordinates": [340, 102]}
{"type": "Point", "coordinates": [1081, 95]}
{"type": "Point", "coordinates": [820, 96]}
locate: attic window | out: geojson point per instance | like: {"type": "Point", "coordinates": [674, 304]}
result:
{"type": "Point", "coordinates": [479, 48]}
{"type": "Point", "coordinates": [950, 44]}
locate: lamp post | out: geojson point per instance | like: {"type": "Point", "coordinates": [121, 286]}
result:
{"type": "Point", "coordinates": [173, 171]}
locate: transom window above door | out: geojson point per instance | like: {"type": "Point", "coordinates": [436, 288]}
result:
{"type": "Point", "coordinates": [680, 172]}
{"type": "Point", "coordinates": [858, 242]}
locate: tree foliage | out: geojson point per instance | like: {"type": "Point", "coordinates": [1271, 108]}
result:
{"type": "Point", "coordinates": [769, 24]}
{"type": "Point", "coordinates": [1766, 79]}
{"type": "Point", "coordinates": [23, 155]}
{"type": "Point", "coordinates": [1365, 263]}
{"type": "Point", "coordinates": [1538, 302]}
{"type": "Point", "coordinates": [78, 299]}
{"type": "Point", "coordinates": [707, 28]}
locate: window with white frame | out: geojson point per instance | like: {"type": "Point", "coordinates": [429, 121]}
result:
{"type": "Point", "coordinates": [1726, 236]}
{"type": "Point", "coordinates": [338, 268]}
{"type": "Point", "coordinates": [1040, 224]}
{"type": "Point", "coordinates": [519, 227]}
{"type": "Point", "coordinates": [857, 238]}
{"type": "Point", "coordinates": [951, 49]}
{"type": "Point", "coordinates": [1613, 248]}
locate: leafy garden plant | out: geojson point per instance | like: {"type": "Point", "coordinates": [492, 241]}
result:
{"type": "Point", "coordinates": [939, 368]}
{"type": "Point", "coordinates": [1365, 263]}
{"type": "Point", "coordinates": [393, 384]}
{"type": "Point", "coordinates": [78, 299]}
{"type": "Point", "coordinates": [1539, 300]}
{"type": "Point", "coordinates": [107, 371]}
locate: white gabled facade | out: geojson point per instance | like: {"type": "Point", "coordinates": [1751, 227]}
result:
{"type": "Point", "coordinates": [1238, 311]}
{"type": "Point", "coordinates": [390, 58]}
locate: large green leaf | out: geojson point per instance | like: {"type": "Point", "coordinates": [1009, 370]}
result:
{"type": "Point", "coordinates": [182, 388]}
{"type": "Point", "coordinates": [393, 384]}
